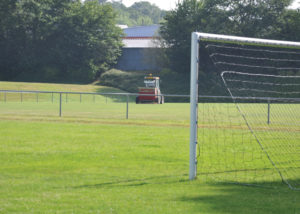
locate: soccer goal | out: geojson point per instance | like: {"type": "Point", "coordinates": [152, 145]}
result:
{"type": "Point", "coordinates": [248, 129]}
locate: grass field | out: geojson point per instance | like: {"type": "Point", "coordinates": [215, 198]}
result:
{"type": "Point", "coordinates": [93, 160]}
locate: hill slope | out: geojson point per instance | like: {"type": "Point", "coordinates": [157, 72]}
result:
{"type": "Point", "coordinates": [171, 83]}
{"type": "Point", "coordinates": [24, 86]}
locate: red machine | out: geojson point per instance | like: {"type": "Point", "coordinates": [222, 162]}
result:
{"type": "Point", "coordinates": [151, 92]}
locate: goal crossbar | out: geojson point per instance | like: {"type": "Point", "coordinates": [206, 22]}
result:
{"type": "Point", "coordinates": [245, 40]}
{"type": "Point", "coordinates": [195, 62]}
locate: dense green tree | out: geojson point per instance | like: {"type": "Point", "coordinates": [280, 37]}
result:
{"type": "Point", "coordinates": [140, 13]}
{"type": "Point", "coordinates": [176, 31]}
{"type": "Point", "coordinates": [259, 18]}
{"type": "Point", "coordinates": [57, 40]}
{"type": "Point", "coordinates": [148, 10]}
{"type": "Point", "coordinates": [9, 39]}
{"type": "Point", "coordinates": [252, 18]}
{"type": "Point", "coordinates": [290, 26]}
{"type": "Point", "coordinates": [86, 42]}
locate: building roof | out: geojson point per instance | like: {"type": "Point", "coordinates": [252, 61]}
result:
{"type": "Point", "coordinates": [149, 31]}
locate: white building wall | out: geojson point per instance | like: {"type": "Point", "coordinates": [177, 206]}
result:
{"type": "Point", "coordinates": [139, 43]}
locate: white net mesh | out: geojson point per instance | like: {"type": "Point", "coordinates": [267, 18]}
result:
{"type": "Point", "coordinates": [253, 138]}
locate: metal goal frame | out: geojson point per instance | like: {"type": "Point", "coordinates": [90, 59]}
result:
{"type": "Point", "coordinates": [197, 38]}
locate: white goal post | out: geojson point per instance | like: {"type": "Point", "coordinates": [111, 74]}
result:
{"type": "Point", "coordinates": [195, 62]}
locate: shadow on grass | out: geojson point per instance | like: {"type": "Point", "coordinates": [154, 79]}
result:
{"type": "Point", "coordinates": [138, 182]}
{"type": "Point", "coordinates": [115, 98]}
{"type": "Point", "coordinates": [219, 197]}
{"type": "Point", "coordinates": [236, 199]}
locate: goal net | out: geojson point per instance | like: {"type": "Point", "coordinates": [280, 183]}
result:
{"type": "Point", "coordinates": [248, 129]}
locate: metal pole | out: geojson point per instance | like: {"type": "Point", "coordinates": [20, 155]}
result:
{"type": "Point", "coordinates": [52, 97]}
{"type": "Point", "coordinates": [21, 97]}
{"type": "Point", "coordinates": [269, 109]}
{"type": "Point", "coordinates": [60, 104]}
{"type": "Point", "coordinates": [67, 98]}
{"type": "Point", "coordinates": [4, 96]}
{"type": "Point", "coordinates": [37, 97]}
{"type": "Point", "coordinates": [194, 106]}
{"type": "Point", "coordinates": [80, 98]}
{"type": "Point", "coordinates": [127, 101]}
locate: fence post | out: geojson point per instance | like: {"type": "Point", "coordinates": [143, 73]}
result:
{"type": "Point", "coordinates": [127, 101]}
{"type": "Point", "coordinates": [52, 97]}
{"type": "Point", "coordinates": [80, 97]}
{"type": "Point", "coordinates": [269, 108]}
{"type": "Point", "coordinates": [21, 97]}
{"type": "Point", "coordinates": [59, 104]}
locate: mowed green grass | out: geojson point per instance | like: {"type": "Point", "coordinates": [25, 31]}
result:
{"type": "Point", "coordinates": [66, 167]}
{"type": "Point", "coordinates": [93, 160]}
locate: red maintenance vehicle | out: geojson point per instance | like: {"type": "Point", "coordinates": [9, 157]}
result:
{"type": "Point", "coordinates": [151, 92]}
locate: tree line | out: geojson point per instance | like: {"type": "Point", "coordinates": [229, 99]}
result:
{"type": "Point", "coordinates": [140, 13]}
{"type": "Point", "coordinates": [57, 40]}
{"type": "Point", "coordinates": [270, 19]}
{"type": "Point", "coordinates": [65, 40]}
{"type": "Point", "coordinates": [75, 41]}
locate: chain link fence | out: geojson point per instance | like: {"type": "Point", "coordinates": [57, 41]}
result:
{"type": "Point", "coordinates": [89, 105]}
{"type": "Point", "coordinates": [112, 105]}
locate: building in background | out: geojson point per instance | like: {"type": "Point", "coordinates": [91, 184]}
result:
{"type": "Point", "coordinates": [139, 51]}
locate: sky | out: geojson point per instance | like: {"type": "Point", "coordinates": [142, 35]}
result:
{"type": "Point", "coordinates": [171, 4]}
{"type": "Point", "coordinates": [296, 4]}
{"type": "Point", "coordinates": [163, 4]}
